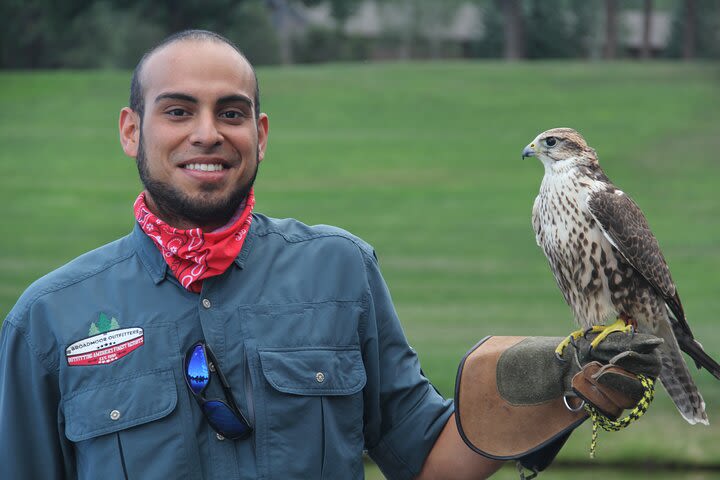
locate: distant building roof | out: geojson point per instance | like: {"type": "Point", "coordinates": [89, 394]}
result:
{"type": "Point", "coordinates": [373, 19]}
{"type": "Point", "coordinates": [631, 22]}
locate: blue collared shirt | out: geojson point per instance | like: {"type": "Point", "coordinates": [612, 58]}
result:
{"type": "Point", "coordinates": [302, 325]}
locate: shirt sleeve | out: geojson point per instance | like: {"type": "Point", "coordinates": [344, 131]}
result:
{"type": "Point", "coordinates": [31, 445]}
{"type": "Point", "coordinates": [404, 413]}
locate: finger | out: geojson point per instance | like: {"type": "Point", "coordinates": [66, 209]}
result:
{"type": "Point", "coordinates": [638, 363]}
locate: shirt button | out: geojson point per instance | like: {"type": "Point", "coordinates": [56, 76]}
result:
{"type": "Point", "coordinates": [114, 415]}
{"type": "Point", "coordinates": [206, 303]}
{"type": "Point", "coordinates": [320, 377]}
{"type": "Point", "coordinates": [219, 437]}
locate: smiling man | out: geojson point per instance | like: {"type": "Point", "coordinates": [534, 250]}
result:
{"type": "Point", "coordinates": [195, 129]}
{"type": "Point", "coordinates": [214, 342]}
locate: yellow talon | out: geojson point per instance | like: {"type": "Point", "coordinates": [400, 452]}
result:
{"type": "Point", "coordinates": [573, 336]}
{"type": "Point", "coordinates": [604, 331]}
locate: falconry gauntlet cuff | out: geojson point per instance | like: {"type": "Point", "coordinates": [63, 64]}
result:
{"type": "Point", "coordinates": [515, 399]}
{"type": "Point", "coordinates": [508, 407]}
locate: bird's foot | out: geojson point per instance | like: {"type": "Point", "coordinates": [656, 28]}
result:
{"type": "Point", "coordinates": [570, 339]}
{"type": "Point", "coordinates": [620, 325]}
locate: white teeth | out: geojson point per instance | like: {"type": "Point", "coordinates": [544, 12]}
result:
{"type": "Point", "coordinates": [214, 167]}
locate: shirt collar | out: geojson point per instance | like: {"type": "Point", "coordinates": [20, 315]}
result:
{"type": "Point", "coordinates": [149, 255]}
{"type": "Point", "coordinates": [156, 266]}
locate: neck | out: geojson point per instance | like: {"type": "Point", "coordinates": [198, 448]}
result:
{"type": "Point", "coordinates": [178, 221]}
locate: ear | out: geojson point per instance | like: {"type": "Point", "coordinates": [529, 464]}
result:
{"type": "Point", "coordinates": [263, 127]}
{"type": "Point", "coordinates": [129, 131]}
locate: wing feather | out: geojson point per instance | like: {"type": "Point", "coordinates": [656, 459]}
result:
{"type": "Point", "coordinates": [626, 228]}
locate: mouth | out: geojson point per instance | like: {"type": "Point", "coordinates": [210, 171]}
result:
{"type": "Point", "coordinates": [206, 169]}
{"type": "Point", "coordinates": [205, 164]}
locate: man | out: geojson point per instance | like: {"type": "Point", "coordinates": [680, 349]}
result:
{"type": "Point", "coordinates": [215, 342]}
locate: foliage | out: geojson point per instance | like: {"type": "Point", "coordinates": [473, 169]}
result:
{"type": "Point", "coordinates": [120, 35]}
{"type": "Point", "coordinates": [707, 32]}
{"type": "Point", "coordinates": [341, 9]}
{"type": "Point", "coordinates": [114, 33]}
{"type": "Point", "coordinates": [491, 43]}
{"type": "Point", "coordinates": [557, 28]}
{"type": "Point", "coordinates": [249, 27]}
{"type": "Point", "coordinates": [320, 45]}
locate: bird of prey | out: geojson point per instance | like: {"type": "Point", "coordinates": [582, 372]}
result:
{"type": "Point", "coordinates": [608, 263]}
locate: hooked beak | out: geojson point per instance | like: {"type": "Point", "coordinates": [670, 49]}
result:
{"type": "Point", "coordinates": [529, 151]}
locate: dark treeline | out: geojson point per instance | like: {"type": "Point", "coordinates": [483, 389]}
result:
{"type": "Point", "coordinates": [114, 33]}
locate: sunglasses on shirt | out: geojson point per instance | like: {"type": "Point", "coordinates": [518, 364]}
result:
{"type": "Point", "coordinates": [223, 416]}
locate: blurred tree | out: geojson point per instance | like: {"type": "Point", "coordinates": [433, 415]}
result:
{"type": "Point", "coordinates": [319, 44]}
{"type": "Point", "coordinates": [113, 33]}
{"type": "Point", "coordinates": [559, 28]}
{"type": "Point", "coordinates": [646, 47]}
{"type": "Point", "coordinates": [689, 30]}
{"type": "Point", "coordinates": [248, 25]}
{"type": "Point", "coordinates": [695, 30]}
{"type": "Point", "coordinates": [491, 45]}
{"type": "Point", "coordinates": [514, 28]}
{"type": "Point", "coordinates": [340, 9]}
{"type": "Point", "coordinates": [105, 36]}
{"type": "Point", "coordinates": [610, 48]}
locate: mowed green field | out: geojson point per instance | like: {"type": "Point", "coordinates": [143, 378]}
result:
{"type": "Point", "coordinates": [423, 162]}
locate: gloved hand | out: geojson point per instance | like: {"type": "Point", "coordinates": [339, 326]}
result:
{"type": "Point", "coordinates": [606, 376]}
{"type": "Point", "coordinates": [514, 399]}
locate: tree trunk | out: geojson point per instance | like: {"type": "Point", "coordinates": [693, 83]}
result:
{"type": "Point", "coordinates": [514, 29]}
{"type": "Point", "coordinates": [646, 48]}
{"type": "Point", "coordinates": [689, 30]}
{"type": "Point", "coordinates": [610, 51]}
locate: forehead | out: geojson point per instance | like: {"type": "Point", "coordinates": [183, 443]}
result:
{"type": "Point", "coordinates": [564, 133]}
{"type": "Point", "coordinates": [201, 68]}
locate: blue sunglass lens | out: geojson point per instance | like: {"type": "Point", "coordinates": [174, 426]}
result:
{"type": "Point", "coordinates": [197, 370]}
{"type": "Point", "coordinates": [224, 420]}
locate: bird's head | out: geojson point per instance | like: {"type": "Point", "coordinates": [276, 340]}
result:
{"type": "Point", "coordinates": [560, 148]}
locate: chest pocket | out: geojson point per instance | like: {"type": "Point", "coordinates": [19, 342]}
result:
{"type": "Point", "coordinates": [313, 404]}
{"type": "Point", "coordinates": [127, 429]}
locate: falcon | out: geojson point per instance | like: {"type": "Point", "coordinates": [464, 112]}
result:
{"type": "Point", "coordinates": [608, 263]}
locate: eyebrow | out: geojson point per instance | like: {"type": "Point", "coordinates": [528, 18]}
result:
{"type": "Point", "coordinates": [189, 98]}
{"type": "Point", "coordinates": [176, 96]}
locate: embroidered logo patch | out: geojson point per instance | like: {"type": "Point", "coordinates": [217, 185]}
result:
{"type": "Point", "coordinates": [107, 343]}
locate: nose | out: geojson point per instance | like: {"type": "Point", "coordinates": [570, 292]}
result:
{"type": "Point", "coordinates": [205, 132]}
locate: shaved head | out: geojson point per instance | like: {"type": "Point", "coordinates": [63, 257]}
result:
{"type": "Point", "coordinates": [137, 92]}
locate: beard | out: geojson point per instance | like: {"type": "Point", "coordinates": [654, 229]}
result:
{"type": "Point", "coordinates": [175, 207]}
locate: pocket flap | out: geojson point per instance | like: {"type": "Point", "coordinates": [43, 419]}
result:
{"type": "Point", "coordinates": [314, 371]}
{"type": "Point", "coordinates": [118, 405]}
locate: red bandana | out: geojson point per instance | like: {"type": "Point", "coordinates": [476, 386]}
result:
{"type": "Point", "coordinates": [194, 255]}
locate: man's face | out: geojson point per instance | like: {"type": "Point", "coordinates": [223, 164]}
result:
{"type": "Point", "coordinates": [198, 144]}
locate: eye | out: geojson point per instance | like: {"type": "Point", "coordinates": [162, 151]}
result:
{"type": "Point", "coordinates": [550, 141]}
{"type": "Point", "coordinates": [176, 112]}
{"type": "Point", "coordinates": [232, 114]}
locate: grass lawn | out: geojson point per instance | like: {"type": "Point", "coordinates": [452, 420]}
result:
{"type": "Point", "coordinates": [422, 161]}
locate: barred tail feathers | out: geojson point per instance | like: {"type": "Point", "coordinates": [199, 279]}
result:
{"type": "Point", "coordinates": [678, 383]}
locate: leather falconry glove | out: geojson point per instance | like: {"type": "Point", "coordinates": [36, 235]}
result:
{"type": "Point", "coordinates": [515, 399]}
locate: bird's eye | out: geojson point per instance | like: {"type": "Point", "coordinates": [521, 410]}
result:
{"type": "Point", "coordinates": [550, 141]}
